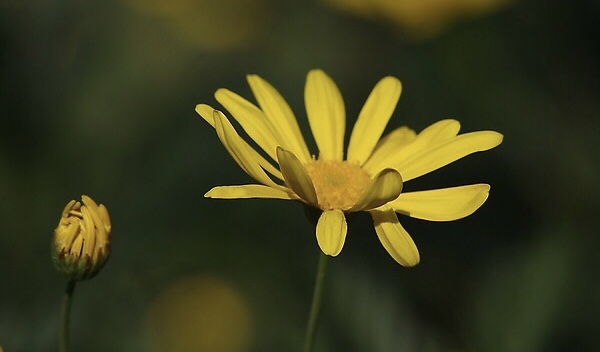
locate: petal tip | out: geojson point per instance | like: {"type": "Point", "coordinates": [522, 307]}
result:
{"type": "Point", "coordinates": [252, 77]}
{"type": "Point", "coordinates": [206, 112]}
{"type": "Point", "coordinates": [500, 137]}
{"type": "Point", "coordinates": [413, 263]}
{"type": "Point", "coordinates": [392, 80]}
{"type": "Point", "coordinates": [495, 138]}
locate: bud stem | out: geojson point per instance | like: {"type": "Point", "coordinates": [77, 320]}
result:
{"type": "Point", "coordinates": [315, 306]}
{"type": "Point", "coordinates": [63, 341]}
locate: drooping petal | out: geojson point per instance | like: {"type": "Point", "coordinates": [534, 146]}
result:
{"type": "Point", "coordinates": [441, 154]}
{"type": "Point", "coordinates": [373, 118]}
{"type": "Point", "coordinates": [248, 191]}
{"type": "Point", "coordinates": [394, 237]}
{"type": "Point", "coordinates": [404, 145]}
{"type": "Point", "coordinates": [383, 188]}
{"type": "Point", "coordinates": [296, 177]}
{"type": "Point", "coordinates": [331, 232]}
{"type": "Point", "coordinates": [390, 144]}
{"type": "Point", "coordinates": [326, 114]}
{"type": "Point", "coordinates": [206, 112]}
{"type": "Point", "coordinates": [282, 119]}
{"type": "Point", "coordinates": [252, 120]}
{"type": "Point", "coordinates": [245, 156]}
{"type": "Point", "coordinates": [444, 204]}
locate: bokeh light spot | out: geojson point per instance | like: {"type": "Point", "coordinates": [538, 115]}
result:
{"type": "Point", "coordinates": [199, 313]}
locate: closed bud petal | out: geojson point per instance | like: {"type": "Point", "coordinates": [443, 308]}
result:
{"type": "Point", "coordinates": [81, 242]}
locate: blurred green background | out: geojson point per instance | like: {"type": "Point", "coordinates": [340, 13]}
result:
{"type": "Point", "coordinates": [98, 97]}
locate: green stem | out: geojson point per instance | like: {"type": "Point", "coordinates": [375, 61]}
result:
{"type": "Point", "coordinates": [315, 306]}
{"type": "Point", "coordinates": [63, 341]}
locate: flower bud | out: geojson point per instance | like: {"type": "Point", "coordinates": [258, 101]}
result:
{"type": "Point", "coordinates": [81, 242]}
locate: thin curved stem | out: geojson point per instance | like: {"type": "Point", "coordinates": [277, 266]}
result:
{"type": "Point", "coordinates": [315, 306]}
{"type": "Point", "coordinates": [63, 341]}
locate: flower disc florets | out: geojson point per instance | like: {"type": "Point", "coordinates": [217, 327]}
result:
{"type": "Point", "coordinates": [338, 184]}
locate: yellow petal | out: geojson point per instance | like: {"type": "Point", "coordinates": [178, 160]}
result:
{"type": "Point", "coordinates": [331, 232]}
{"type": "Point", "coordinates": [89, 238]}
{"type": "Point", "coordinates": [67, 209]}
{"type": "Point", "coordinates": [394, 237]}
{"type": "Point", "coordinates": [439, 131]}
{"type": "Point", "coordinates": [397, 150]}
{"type": "Point", "coordinates": [101, 236]}
{"type": "Point", "coordinates": [383, 188]}
{"type": "Point", "coordinates": [251, 118]}
{"type": "Point", "coordinates": [105, 219]}
{"type": "Point", "coordinates": [245, 156]}
{"type": "Point", "coordinates": [89, 202]}
{"type": "Point", "coordinates": [442, 154]}
{"type": "Point", "coordinates": [76, 249]}
{"type": "Point", "coordinates": [281, 117]}
{"type": "Point", "coordinates": [296, 177]}
{"type": "Point", "coordinates": [206, 112]}
{"type": "Point", "coordinates": [66, 236]}
{"type": "Point", "coordinates": [373, 118]}
{"type": "Point", "coordinates": [326, 114]}
{"type": "Point", "coordinates": [444, 204]}
{"type": "Point", "coordinates": [389, 145]}
{"type": "Point", "coordinates": [247, 191]}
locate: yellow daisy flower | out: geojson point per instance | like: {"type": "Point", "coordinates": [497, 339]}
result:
{"type": "Point", "coordinates": [371, 175]}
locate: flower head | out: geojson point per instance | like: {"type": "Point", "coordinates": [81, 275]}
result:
{"type": "Point", "coordinates": [369, 177]}
{"type": "Point", "coordinates": [81, 242]}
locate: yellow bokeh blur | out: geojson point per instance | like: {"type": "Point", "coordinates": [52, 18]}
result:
{"type": "Point", "coordinates": [423, 18]}
{"type": "Point", "coordinates": [211, 25]}
{"type": "Point", "coordinates": [199, 313]}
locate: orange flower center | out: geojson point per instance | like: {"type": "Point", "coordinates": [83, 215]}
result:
{"type": "Point", "coordinates": [338, 184]}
